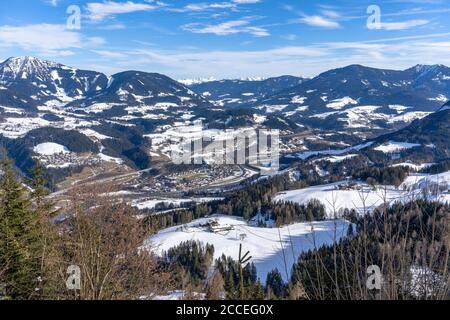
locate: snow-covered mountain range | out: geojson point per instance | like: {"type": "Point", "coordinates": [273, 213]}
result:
{"type": "Point", "coordinates": [113, 116]}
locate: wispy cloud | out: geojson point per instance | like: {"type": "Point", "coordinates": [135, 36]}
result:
{"type": "Point", "coordinates": [330, 13]}
{"type": "Point", "coordinates": [180, 63]}
{"type": "Point", "coordinates": [53, 3]}
{"type": "Point", "coordinates": [319, 21]}
{"type": "Point", "coordinates": [227, 28]}
{"type": "Point", "coordinates": [98, 11]}
{"type": "Point", "coordinates": [110, 54]}
{"type": "Point", "coordinates": [245, 1]}
{"type": "Point", "coordinates": [205, 6]}
{"type": "Point", "coordinates": [403, 25]}
{"type": "Point", "coordinates": [45, 39]}
{"type": "Point", "coordinates": [113, 26]}
{"type": "Point", "coordinates": [310, 60]}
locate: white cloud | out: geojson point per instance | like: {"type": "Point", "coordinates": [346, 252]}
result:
{"type": "Point", "coordinates": [230, 64]}
{"type": "Point", "coordinates": [110, 54]}
{"type": "Point", "coordinates": [319, 21]}
{"type": "Point", "coordinates": [114, 26]}
{"type": "Point", "coordinates": [53, 3]}
{"type": "Point", "coordinates": [94, 41]}
{"type": "Point", "coordinates": [227, 28]}
{"type": "Point", "coordinates": [398, 53]}
{"type": "Point", "coordinates": [46, 39]}
{"type": "Point", "coordinates": [403, 25]}
{"type": "Point", "coordinates": [330, 13]}
{"type": "Point", "coordinates": [40, 36]}
{"type": "Point", "coordinates": [203, 6]}
{"type": "Point", "coordinates": [246, 1]}
{"type": "Point", "coordinates": [98, 11]}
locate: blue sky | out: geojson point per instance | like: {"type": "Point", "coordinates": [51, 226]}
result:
{"type": "Point", "coordinates": [227, 38]}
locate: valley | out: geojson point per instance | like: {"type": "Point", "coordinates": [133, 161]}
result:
{"type": "Point", "coordinates": [87, 128]}
{"type": "Point", "coordinates": [353, 142]}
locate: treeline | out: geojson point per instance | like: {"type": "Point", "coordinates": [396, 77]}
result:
{"type": "Point", "coordinates": [341, 169]}
{"type": "Point", "coordinates": [246, 203]}
{"type": "Point", "coordinates": [191, 261]}
{"type": "Point", "coordinates": [192, 257]}
{"type": "Point", "coordinates": [250, 288]}
{"type": "Point", "coordinates": [286, 213]}
{"type": "Point", "coordinates": [385, 175]}
{"type": "Point", "coordinates": [440, 167]}
{"type": "Point", "coordinates": [408, 242]}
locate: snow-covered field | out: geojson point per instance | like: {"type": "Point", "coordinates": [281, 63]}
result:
{"type": "Point", "coordinates": [336, 159]}
{"type": "Point", "coordinates": [173, 141]}
{"type": "Point", "coordinates": [341, 103]}
{"type": "Point", "coordinates": [331, 152]}
{"type": "Point", "coordinates": [364, 116]}
{"type": "Point", "coordinates": [152, 203]}
{"type": "Point", "coordinates": [413, 166]}
{"type": "Point", "coordinates": [364, 198]}
{"type": "Point", "coordinates": [266, 248]}
{"type": "Point", "coordinates": [14, 128]}
{"type": "Point", "coordinates": [394, 146]}
{"type": "Point", "coordinates": [50, 148]}
{"type": "Point", "coordinates": [420, 181]}
{"type": "Point", "coordinates": [18, 127]}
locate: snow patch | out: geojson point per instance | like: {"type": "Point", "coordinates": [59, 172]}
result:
{"type": "Point", "coordinates": [50, 148]}
{"type": "Point", "coordinates": [338, 104]}
{"type": "Point", "coordinates": [394, 146]}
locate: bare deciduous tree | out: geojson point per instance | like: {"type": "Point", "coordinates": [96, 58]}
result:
{"type": "Point", "coordinates": [104, 238]}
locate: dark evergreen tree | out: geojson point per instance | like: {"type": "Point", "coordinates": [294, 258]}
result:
{"type": "Point", "coordinates": [275, 283]}
{"type": "Point", "coordinates": [20, 242]}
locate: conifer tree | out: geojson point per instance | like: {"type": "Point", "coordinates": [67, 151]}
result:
{"type": "Point", "coordinates": [230, 287]}
{"type": "Point", "coordinates": [275, 283]}
{"type": "Point", "coordinates": [19, 238]}
{"type": "Point", "coordinates": [258, 291]}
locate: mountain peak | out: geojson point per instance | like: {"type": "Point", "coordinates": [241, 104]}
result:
{"type": "Point", "coordinates": [43, 80]}
{"type": "Point", "coordinates": [22, 67]}
{"type": "Point", "coordinates": [28, 61]}
{"type": "Point", "coordinates": [421, 68]}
